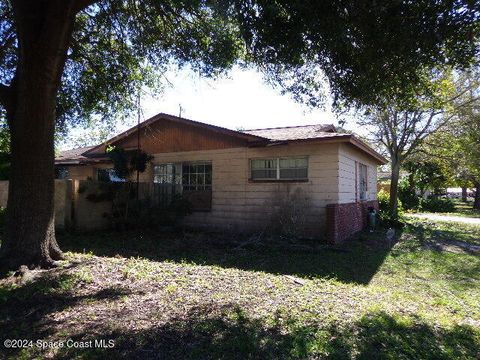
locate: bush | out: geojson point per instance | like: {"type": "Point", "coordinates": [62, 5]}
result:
{"type": "Point", "coordinates": [437, 205]}
{"type": "Point", "coordinates": [386, 217]}
{"type": "Point", "coordinates": [131, 213]}
{"type": "Point", "coordinates": [383, 198]}
{"type": "Point", "coordinates": [409, 199]}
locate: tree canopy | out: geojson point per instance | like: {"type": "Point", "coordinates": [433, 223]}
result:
{"type": "Point", "coordinates": [456, 147]}
{"type": "Point", "coordinates": [367, 50]}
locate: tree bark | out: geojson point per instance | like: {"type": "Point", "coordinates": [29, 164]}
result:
{"type": "Point", "coordinates": [44, 30]}
{"type": "Point", "coordinates": [394, 186]}
{"type": "Point", "coordinates": [476, 202]}
{"type": "Point", "coordinates": [464, 194]}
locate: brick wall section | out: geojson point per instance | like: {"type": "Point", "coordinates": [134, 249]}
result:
{"type": "Point", "coordinates": [344, 220]}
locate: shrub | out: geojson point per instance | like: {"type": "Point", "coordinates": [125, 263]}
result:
{"type": "Point", "coordinates": [386, 217]}
{"type": "Point", "coordinates": [437, 205]}
{"type": "Point", "coordinates": [290, 214]}
{"type": "Point", "coordinates": [409, 199]}
{"type": "Point", "coordinates": [131, 213]}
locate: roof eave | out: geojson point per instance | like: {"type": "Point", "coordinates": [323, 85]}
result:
{"type": "Point", "coordinates": [344, 138]}
{"type": "Point", "coordinates": [365, 147]}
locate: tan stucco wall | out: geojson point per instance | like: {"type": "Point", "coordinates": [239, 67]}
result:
{"type": "Point", "coordinates": [82, 172]}
{"type": "Point", "coordinates": [238, 204]}
{"type": "Point", "coordinates": [90, 215]}
{"type": "Point", "coordinates": [349, 158]}
{"type": "Point", "coordinates": [242, 205]}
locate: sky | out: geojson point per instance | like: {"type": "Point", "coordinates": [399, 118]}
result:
{"type": "Point", "coordinates": [241, 100]}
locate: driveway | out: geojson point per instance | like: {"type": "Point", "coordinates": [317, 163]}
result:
{"type": "Point", "coordinates": [458, 219]}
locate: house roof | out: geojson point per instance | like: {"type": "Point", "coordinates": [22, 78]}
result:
{"type": "Point", "coordinates": [254, 137]}
{"type": "Point", "coordinates": [295, 132]}
{"type": "Point", "coordinates": [73, 156]}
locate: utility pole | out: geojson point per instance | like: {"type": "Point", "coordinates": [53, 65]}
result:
{"type": "Point", "coordinates": [138, 141]}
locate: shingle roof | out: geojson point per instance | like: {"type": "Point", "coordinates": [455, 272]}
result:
{"type": "Point", "coordinates": [73, 155]}
{"type": "Point", "coordinates": [295, 132]}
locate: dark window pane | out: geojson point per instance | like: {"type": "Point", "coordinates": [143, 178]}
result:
{"type": "Point", "coordinates": [264, 174]}
{"type": "Point", "coordinates": [208, 178]}
{"type": "Point", "coordinates": [61, 172]}
{"type": "Point", "coordinates": [293, 173]}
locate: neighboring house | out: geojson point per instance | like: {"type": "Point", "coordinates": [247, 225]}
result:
{"type": "Point", "coordinates": [240, 180]}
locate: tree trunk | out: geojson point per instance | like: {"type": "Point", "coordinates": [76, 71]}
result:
{"type": "Point", "coordinates": [44, 30]}
{"type": "Point", "coordinates": [476, 202]}
{"type": "Point", "coordinates": [394, 186]}
{"type": "Point", "coordinates": [464, 194]}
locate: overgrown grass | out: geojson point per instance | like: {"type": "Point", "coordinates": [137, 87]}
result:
{"type": "Point", "coordinates": [196, 296]}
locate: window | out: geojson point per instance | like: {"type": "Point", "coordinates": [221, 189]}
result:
{"type": "Point", "coordinates": [294, 168]}
{"type": "Point", "coordinates": [61, 172]}
{"type": "Point", "coordinates": [279, 169]}
{"type": "Point", "coordinates": [197, 176]}
{"type": "Point", "coordinates": [264, 169]}
{"type": "Point", "coordinates": [167, 174]}
{"type": "Point", "coordinates": [193, 180]}
{"type": "Point", "coordinates": [108, 175]}
{"type": "Point", "coordinates": [362, 181]}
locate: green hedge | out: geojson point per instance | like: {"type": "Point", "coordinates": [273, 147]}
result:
{"type": "Point", "coordinates": [436, 205]}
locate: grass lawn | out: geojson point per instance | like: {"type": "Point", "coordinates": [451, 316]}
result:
{"type": "Point", "coordinates": [197, 296]}
{"type": "Point", "coordinates": [463, 209]}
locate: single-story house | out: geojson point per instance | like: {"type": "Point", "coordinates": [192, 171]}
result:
{"type": "Point", "coordinates": [325, 179]}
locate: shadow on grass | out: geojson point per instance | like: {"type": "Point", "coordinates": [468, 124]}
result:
{"type": "Point", "coordinates": [355, 262]}
{"type": "Point", "coordinates": [228, 333]}
{"type": "Point", "coordinates": [25, 309]}
{"type": "Point", "coordinates": [224, 332]}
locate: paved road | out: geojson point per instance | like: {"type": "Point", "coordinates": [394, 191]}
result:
{"type": "Point", "coordinates": [460, 219]}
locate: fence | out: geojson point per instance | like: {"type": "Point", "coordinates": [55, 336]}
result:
{"type": "Point", "coordinates": [63, 201]}
{"type": "Point", "coordinates": [87, 205]}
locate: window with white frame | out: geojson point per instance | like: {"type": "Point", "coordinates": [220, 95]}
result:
{"type": "Point", "coordinates": [197, 176]}
{"type": "Point", "coordinates": [291, 168]}
{"type": "Point", "coordinates": [362, 169]}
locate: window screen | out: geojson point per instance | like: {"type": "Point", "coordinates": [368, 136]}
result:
{"type": "Point", "coordinates": [363, 181]}
{"type": "Point", "coordinates": [264, 169]}
{"type": "Point", "coordinates": [292, 168]}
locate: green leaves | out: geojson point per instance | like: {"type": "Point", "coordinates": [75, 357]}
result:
{"type": "Point", "coordinates": [361, 51]}
{"type": "Point", "coordinates": [125, 163]}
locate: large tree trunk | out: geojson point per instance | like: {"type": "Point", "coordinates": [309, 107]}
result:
{"type": "Point", "coordinates": [464, 194]}
{"type": "Point", "coordinates": [476, 203]}
{"type": "Point", "coordinates": [394, 186]}
{"type": "Point", "coordinates": [44, 30]}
